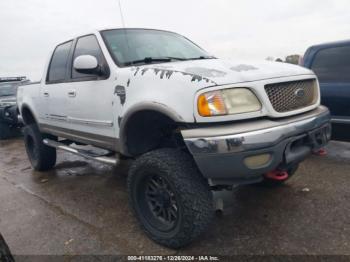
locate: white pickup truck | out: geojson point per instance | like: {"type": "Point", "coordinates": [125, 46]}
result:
{"type": "Point", "coordinates": [192, 123]}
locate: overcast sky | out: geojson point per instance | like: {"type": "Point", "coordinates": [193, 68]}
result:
{"type": "Point", "coordinates": [249, 29]}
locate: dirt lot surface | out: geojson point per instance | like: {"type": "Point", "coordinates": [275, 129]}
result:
{"type": "Point", "coordinates": [81, 208]}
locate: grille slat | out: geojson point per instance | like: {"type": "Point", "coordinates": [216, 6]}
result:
{"type": "Point", "coordinates": [289, 96]}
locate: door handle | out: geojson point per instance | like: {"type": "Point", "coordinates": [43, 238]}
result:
{"type": "Point", "coordinates": [46, 94]}
{"type": "Point", "coordinates": [72, 93]}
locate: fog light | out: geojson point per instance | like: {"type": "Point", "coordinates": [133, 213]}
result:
{"type": "Point", "coordinates": [258, 161]}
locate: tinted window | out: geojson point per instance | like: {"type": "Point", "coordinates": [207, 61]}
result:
{"type": "Point", "coordinates": [59, 61]}
{"type": "Point", "coordinates": [87, 45]}
{"type": "Point", "coordinates": [333, 64]}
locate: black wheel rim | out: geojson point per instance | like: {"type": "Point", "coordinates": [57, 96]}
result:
{"type": "Point", "coordinates": [158, 203]}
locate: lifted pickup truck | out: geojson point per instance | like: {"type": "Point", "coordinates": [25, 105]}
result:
{"type": "Point", "coordinates": [191, 122]}
{"type": "Point", "coordinates": [9, 122]}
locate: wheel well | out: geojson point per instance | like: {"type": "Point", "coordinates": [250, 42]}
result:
{"type": "Point", "coordinates": [148, 130]}
{"type": "Point", "coordinates": [27, 116]}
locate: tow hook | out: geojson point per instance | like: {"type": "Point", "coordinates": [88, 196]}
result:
{"type": "Point", "coordinates": [278, 175]}
{"type": "Point", "coordinates": [320, 152]}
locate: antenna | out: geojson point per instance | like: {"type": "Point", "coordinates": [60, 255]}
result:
{"type": "Point", "coordinates": [121, 13]}
{"type": "Point", "coordinates": [123, 24]}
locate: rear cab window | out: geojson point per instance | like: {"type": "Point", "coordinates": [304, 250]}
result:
{"type": "Point", "coordinates": [332, 65]}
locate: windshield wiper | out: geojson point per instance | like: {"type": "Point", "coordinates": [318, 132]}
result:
{"type": "Point", "coordinates": [150, 60]}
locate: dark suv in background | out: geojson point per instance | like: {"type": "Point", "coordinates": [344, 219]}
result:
{"type": "Point", "coordinates": [9, 123]}
{"type": "Point", "coordinates": [331, 64]}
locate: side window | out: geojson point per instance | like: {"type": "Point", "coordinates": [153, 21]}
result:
{"type": "Point", "coordinates": [59, 61]}
{"type": "Point", "coordinates": [87, 45]}
{"type": "Point", "coordinates": [332, 64]}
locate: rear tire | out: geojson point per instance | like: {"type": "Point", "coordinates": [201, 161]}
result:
{"type": "Point", "coordinates": [170, 198]}
{"type": "Point", "coordinates": [5, 131]}
{"type": "Point", "coordinates": [40, 156]}
{"type": "Point", "coordinates": [267, 182]}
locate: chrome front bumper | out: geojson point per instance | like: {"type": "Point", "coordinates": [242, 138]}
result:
{"type": "Point", "coordinates": [220, 151]}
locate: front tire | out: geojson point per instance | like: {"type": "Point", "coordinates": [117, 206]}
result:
{"type": "Point", "coordinates": [41, 156]}
{"type": "Point", "coordinates": [170, 198]}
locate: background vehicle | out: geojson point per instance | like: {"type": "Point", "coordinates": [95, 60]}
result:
{"type": "Point", "coordinates": [192, 122]}
{"type": "Point", "coordinates": [9, 123]}
{"type": "Point", "coordinates": [331, 64]}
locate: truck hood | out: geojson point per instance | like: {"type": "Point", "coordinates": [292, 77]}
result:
{"type": "Point", "coordinates": [221, 72]}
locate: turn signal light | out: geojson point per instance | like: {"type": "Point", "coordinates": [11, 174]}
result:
{"type": "Point", "coordinates": [211, 104]}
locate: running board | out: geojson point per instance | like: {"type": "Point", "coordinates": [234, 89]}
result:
{"type": "Point", "coordinates": [103, 159]}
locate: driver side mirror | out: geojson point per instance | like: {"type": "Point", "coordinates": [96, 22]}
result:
{"type": "Point", "coordinates": [87, 64]}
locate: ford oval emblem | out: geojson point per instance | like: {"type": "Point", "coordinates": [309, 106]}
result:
{"type": "Point", "coordinates": [299, 93]}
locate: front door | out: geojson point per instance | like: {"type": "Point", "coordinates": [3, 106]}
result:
{"type": "Point", "coordinates": [91, 97]}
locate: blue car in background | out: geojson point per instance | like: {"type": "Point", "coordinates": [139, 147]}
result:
{"type": "Point", "coordinates": [331, 64]}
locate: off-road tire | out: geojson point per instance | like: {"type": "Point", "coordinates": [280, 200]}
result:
{"type": "Point", "coordinates": [5, 253]}
{"type": "Point", "coordinates": [5, 131]}
{"type": "Point", "coordinates": [188, 187]}
{"type": "Point", "coordinates": [266, 182]}
{"type": "Point", "coordinates": [41, 157]}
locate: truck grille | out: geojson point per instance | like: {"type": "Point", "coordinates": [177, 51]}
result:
{"type": "Point", "coordinates": [289, 96]}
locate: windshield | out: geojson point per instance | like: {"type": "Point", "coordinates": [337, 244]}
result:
{"type": "Point", "coordinates": [8, 89]}
{"type": "Point", "coordinates": [130, 46]}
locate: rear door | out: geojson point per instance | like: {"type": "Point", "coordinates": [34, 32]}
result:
{"type": "Point", "coordinates": [332, 66]}
{"type": "Point", "coordinates": [53, 93]}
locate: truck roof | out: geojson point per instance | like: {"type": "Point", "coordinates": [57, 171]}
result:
{"type": "Point", "coordinates": [98, 30]}
{"type": "Point", "coordinates": [130, 28]}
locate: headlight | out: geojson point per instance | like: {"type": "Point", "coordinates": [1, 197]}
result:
{"type": "Point", "coordinates": [227, 102]}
